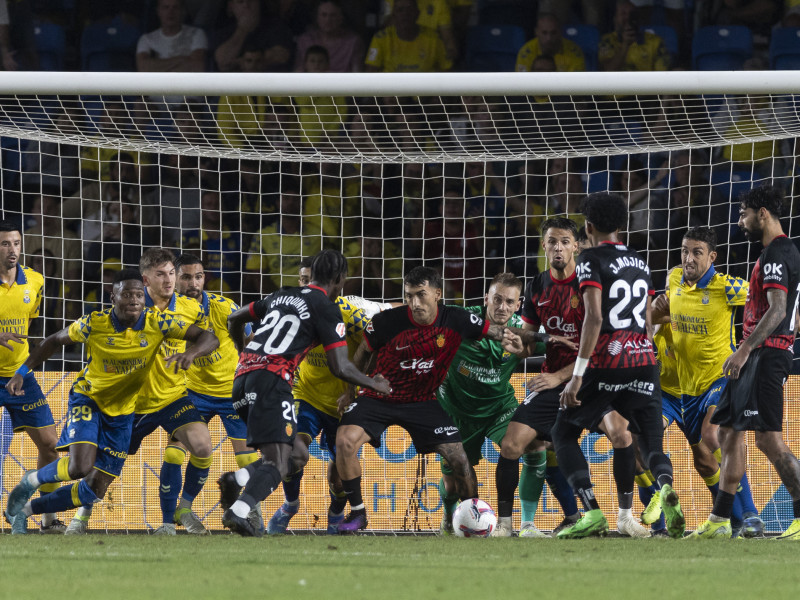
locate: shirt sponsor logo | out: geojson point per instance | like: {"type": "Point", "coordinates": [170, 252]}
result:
{"type": "Point", "coordinates": [418, 365]}
{"type": "Point", "coordinates": [640, 387]}
{"type": "Point", "coordinates": [583, 270]}
{"type": "Point", "coordinates": [773, 272]}
{"type": "Point", "coordinates": [751, 413]}
{"type": "Point", "coordinates": [558, 324]}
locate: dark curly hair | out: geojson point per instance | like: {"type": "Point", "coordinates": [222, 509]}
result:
{"type": "Point", "coordinates": [607, 212]}
{"type": "Point", "coordinates": [328, 266]}
{"type": "Point", "coordinates": [766, 196]}
{"type": "Point", "coordinates": [560, 223]}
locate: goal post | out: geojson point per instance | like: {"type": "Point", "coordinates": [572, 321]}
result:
{"type": "Point", "coordinates": [457, 170]}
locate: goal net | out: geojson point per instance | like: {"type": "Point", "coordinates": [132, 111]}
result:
{"type": "Point", "coordinates": [456, 171]}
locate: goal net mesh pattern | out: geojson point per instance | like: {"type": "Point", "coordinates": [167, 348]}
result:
{"type": "Point", "coordinates": [253, 182]}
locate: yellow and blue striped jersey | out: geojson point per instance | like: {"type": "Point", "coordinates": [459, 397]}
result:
{"type": "Point", "coordinates": [702, 325]}
{"type": "Point", "coordinates": [667, 363]}
{"type": "Point", "coordinates": [314, 381]}
{"type": "Point", "coordinates": [120, 359]}
{"type": "Point", "coordinates": [163, 385]}
{"type": "Point", "coordinates": [19, 303]}
{"type": "Point", "coordinates": [212, 375]}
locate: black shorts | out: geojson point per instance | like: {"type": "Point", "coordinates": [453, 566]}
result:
{"type": "Point", "coordinates": [634, 392]}
{"type": "Point", "coordinates": [427, 422]}
{"type": "Point", "coordinates": [264, 401]}
{"type": "Point", "coordinates": [754, 402]}
{"type": "Point", "coordinates": [539, 411]}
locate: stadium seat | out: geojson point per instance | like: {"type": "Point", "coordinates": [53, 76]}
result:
{"type": "Point", "coordinates": [588, 38]}
{"type": "Point", "coordinates": [520, 13]}
{"type": "Point", "coordinates": [784, 49]}
{"type": "Point", "coordinates": [51, 44]}
{"type": "Point", "coordinates": [668, 35]}
{"type": "Point", "coordinates": [493, 47]}
{"type": "Point", "coordinates": [721, 47]}
{"type": "Point", "coordinates": [109, 46]}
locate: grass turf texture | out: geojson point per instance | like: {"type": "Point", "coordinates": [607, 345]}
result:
{"type": "Point", "coordinates": [369, 567]}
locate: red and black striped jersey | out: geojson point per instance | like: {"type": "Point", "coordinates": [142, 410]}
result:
{"type": "Point", "coordinates": [291, 321]}
{"type": "Point", "coordinates": [624, 280]}
{"type": "Point", "coordinates": [778, 267]}
{"type": "Point", "coordinates": [413, 357]}
{"type": "Point", "coordinates": [558, 307]}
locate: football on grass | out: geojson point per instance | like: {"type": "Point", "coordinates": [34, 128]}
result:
{"type": "Point", "coordinates": [474, 518]}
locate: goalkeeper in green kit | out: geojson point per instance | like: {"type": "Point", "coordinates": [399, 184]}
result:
{"type": "Point", "coordinates": [478, 395]}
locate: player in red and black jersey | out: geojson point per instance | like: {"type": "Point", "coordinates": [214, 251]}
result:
{"type": "Point", "coordinates": [753, 399]}
{"type": "Point", "coordinates": [413, 347]}
{"type": "Point", "coordinates": [553, 300]}
{"type": "Point", "coordinates": [287, 324]}
{"type": "Point", "coordinates": [616, 288]}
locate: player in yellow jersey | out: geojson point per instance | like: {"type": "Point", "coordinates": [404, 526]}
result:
{"type": "Point", "coordinates": [404, 46]}
{"type": "Point", "coordinates": [700, 304]}
{"type": "Point", "coordinates": [20, 299]}
{"type": "Point", "coordinates": [209, 382]}
{"type": "Point", "coordinates": [316, 392]}
{"type": "Point", "coordinates": [163, 400]}
{"type": "Point", "coordinates": [123, 346]}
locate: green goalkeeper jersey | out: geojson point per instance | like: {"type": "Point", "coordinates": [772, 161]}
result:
{"type": "Point", "coordinates": [478, 384]}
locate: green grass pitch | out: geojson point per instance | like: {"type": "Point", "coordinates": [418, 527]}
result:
{"type": "Point", "coordinates": [376, 567]}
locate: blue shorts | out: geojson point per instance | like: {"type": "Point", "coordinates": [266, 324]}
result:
{"type": "Point", "coordinates": [671, 410]}
{"type": "Point", "coordinates": [30, 409]}
{"type": "Point", "coordinates": [311, 421]}
{"type": "Point", "coordinates": [170, 418]}
{"type": "Point", "coordinates": [211, 406]}
{"type": "Point", "coordinates": [87, 424]}
{"type": "Point", "coordinates": [695, 409]}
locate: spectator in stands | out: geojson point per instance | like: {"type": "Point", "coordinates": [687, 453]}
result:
{"type": "Point", "coordinates": [646, 199]}
{"type": "Point", "coordinates": [275, 253]}
{"type": "Point", "coordinates": [53, 165]}
{"type": "Point", "coordinates": [252, 29]}
{"type": "Point", "coordinates": [629, 49]}
{"type": "Point", "coordinates": [177, 195]}
{"type": "Point", "coordinates": [758, 15]}
{"type": "Point", "coordinates": [345, 47]}
{"type": "Point", "coordinates": [48, 231]}
{"type": "Point", "coordinates": [121, 239]}
{"type": "Point", "coordinates": [89, 206]}
{"type": "Point", "coordinates": [451, 241]}
{"type": "Point", "coordinates": [320, 118]}
{"type": "Point", "coordinates": [17, 43]}
{"type": "Point", "coordinates": [252, 204]}
{"type": "Point", "coordinates": [219, 247]}
{"type": "Point", "coordinates": [405, 47]}
{"type": "Point", "coordinates": [436, 16]}
{"type": "Point", "coordinates": [327, 202]}
{"type": "Point", "coordinates": [173, 46]}
{"type": "Point", "coordinates": [566, 190]}
{"type": "Point", "coordinates": [374, 265]}
{"type": "Point", "coordinates": [115, 121]}
{"type": "Point", "coordinates": [99, 297]}
{"type": "Point", "coordinates": [673, 12]}
{"type": "Point", "coordinates": [567, 55]}
{"type": "Point", "coordinates": [745, 116]}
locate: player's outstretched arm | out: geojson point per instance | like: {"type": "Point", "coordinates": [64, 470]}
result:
{"type": "Point", "coordinates": [202, 342]}
{"type": "Point", "coordinates": [496, 332]}
{"type": "Point", "coordinates": [237, 321]}
{"type": "Point", "coordinates": [37, 356]}
{"type": "Point", "coordinates": [776, 312]}
{"type": "Point", "coordinates": [341, 367]}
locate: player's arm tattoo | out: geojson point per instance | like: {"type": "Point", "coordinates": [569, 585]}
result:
{"type": "Point", "coordinates": [771, 319]}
